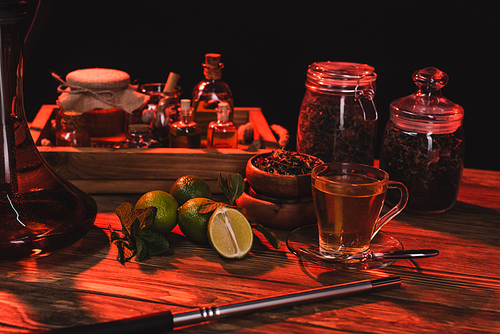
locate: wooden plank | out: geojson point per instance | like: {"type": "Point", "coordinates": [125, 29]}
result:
{"type": "Point", "coordinates": [455, 292]}
{"type": "Point", "coordinates": [40, 127]}
{"type": "Point", "coordinates": [84, 284]}
{"type": "Point", "coordinates": [262, 130]}
{"type": "Point", "coordinates": [108, 170]}
{"type": "Point", "coordinates": [138, 171]}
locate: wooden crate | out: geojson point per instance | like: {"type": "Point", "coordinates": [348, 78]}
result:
{"type": "Point", "coordinates": [109, 170]}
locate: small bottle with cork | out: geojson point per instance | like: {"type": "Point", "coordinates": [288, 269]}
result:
{"type": "Point", "coordinates": [185, 132]}
{"type": "Point", "coordinates": [210, 91]}
{"type": "Point", "coordinates": [222, 133]}
{"type": "Point", "coordinates": [72, 132]}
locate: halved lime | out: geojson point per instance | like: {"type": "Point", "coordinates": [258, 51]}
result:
{"type": "Point", "coordinates": [230, 233]}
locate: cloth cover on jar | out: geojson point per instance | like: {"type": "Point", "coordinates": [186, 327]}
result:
{"type": "Point", "coordinates": [98, 88]}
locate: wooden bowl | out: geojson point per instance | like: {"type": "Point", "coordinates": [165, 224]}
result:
{"type": "Point", "coordinates": [277, 213]}
{"type": "Point", "coordinates": [275, 185]}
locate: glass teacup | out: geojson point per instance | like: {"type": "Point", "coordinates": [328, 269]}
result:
{"type": "Point", "coordinates": [348, 200]}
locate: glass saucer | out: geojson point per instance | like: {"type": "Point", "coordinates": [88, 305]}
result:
{"type": "Point", "coordinates": [307, 237]}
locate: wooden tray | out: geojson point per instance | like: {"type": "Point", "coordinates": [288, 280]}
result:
{"type": "Point", "coordinates": [109, 170]}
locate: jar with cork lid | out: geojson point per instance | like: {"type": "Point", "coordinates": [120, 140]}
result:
{"type": "Point", "coordinates": [423, 144]}
{"type": "Point", "coordinates": [105, 99]}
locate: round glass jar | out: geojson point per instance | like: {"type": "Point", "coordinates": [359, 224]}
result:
{"type": "Point", "coordinates": [338, 117]}
{"type": "Point", "coordinates": [106, 99]}
{"type": "Point", "coordinates": [423, 144]}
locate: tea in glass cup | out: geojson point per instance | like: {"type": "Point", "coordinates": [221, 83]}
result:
{"type": "Point", "coordinates": [348, 199]}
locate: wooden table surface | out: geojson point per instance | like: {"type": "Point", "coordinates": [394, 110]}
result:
{"type": "Point", "coordinates": [455, 292]}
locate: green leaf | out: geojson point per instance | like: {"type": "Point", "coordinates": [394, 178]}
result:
{"type": "Point", "coordinates": [156, 243]}
{"type": "Point", "coordinates": [115, 236]}
{"type": "Point", "coordinates": [210, 206]}
{"type": "Point", "coordinates": [146, 216]}
{"type": "Point", "coordinates": [125, 251]}
{"type": "Point", "coordinates": [125, 213]}
{"type": "Point", "coordinates": [237, 186]}
{"type": "Point", "coordinates": [141, 248]}
{"type": "Point", "coordinates": [129, 249]}
{"type": "Point", "coordinates": [134, 228]}
{"type": "Point", "coordinates": [268, 234]}
{"type": "Point", "coordinates": [232, 186]}
{"type": "Point", "coordinates": [138, 238]}
{"type": "Point", "coordinates": [224, 186]}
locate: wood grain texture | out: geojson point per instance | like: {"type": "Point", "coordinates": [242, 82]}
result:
{"type": "Point", "coordinates": [109, 170]}
{"type": "Point", "coordinates": [455, 292]}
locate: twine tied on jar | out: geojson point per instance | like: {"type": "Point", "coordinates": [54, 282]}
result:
{"type": "Point", "coordinates": [76, 89]}
{"type": "Point", "coordinates": [98, 88]}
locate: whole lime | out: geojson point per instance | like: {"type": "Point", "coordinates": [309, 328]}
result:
{"type": "Point", "coordinates": [194, 224]}
{"type": "Point", "coordinates": [166, 205]}
{"type": "Point", "coordinates": [190, 186]}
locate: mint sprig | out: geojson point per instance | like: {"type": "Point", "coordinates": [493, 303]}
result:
{"type": "Point", "coordinates": [137, 238]}
{"type": "Point", "coordinates": [232, 186]}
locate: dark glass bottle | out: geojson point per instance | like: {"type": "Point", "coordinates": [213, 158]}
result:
{"type": "Point", "coordinates": [423, 144]}
{"type": "Point", "coordinates": [72, 132]}
{"type": "Point", "coordinates": [185, 132]}
{"type": "Point", "coordinates": [165, 113]}
{"type": "Point", "coordinates": [39, 211]}
{"type": "Point", "coordinates": [139, 136]}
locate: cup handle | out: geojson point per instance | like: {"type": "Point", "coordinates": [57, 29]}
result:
{"type": "Point", "coordinates": [403, 199]}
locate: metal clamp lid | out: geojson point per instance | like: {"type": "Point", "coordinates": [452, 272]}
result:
{"type": "Point", "coordinates": [345, 78]}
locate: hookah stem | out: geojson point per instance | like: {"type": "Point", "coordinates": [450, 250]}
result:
{"type": "Point", "coordinates": [8, 183]}
{"type": "Point", "coordinates": [166, 321]}
{"type": "Point", "coordinates": [9, 71]}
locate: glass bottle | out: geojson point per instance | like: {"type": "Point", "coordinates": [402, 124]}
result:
{"type": "Point", "coordinates": [338, 117]}
{"type": "Point", "coordinates": [169, 92]}
{"type": "Point", "coordinates": [222, 133]}
{"type": "Point", "coordinates": [40, 212]}
{"type": "Point", "coordinates": [185, 132]}
{"type": "Point", "coordinates": [160, 124]}
{"type": "Point", "coordinates": [72, 132]}
{"type": "Point", "coordinates": [105, 127]}
{"type": "Point", "coordinates": [139, 136]}
{"type": "Point", "coordinates": [210, 91]}
{"type": "Point", "coordinates": [423, 144]}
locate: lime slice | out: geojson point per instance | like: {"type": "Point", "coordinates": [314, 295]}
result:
{"type": "Point", "coordinates": [230, 233]}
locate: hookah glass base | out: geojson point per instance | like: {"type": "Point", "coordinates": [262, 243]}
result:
{"type": "Point", "coordinates": [40, 212]}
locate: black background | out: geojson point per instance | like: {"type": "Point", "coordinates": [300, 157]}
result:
{"type": "Point", "coordinates": [266, 47]}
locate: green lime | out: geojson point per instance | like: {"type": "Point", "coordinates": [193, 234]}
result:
{"type": "Point", "coordinates": [166, 205]}
{"type": "Point", "coordinates": [230, 233]}
{"type": "Point", "coordinates": [190, 186]}
{"type": "Point", "coordinates": [194, 224]}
